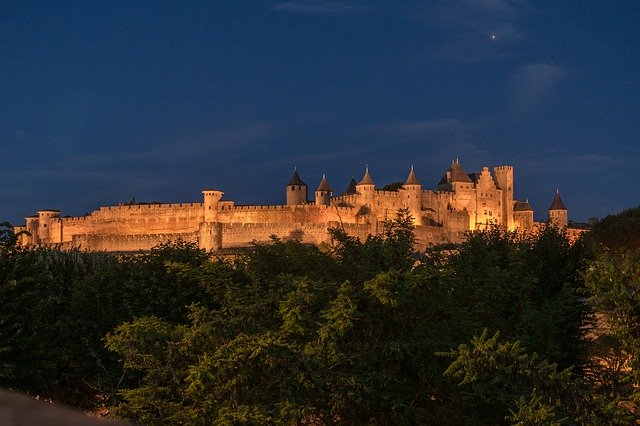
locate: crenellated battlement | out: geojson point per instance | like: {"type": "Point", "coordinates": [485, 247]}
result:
{"type": "Point", "coordinates": [382, 193]}
{"type": "Point", "coordinates": [149, 206]}
{"type": "Point", "coordinates": [281, 207]}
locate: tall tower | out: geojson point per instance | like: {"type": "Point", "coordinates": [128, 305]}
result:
{"type": "Point", "coordinates": [296, 190]}
{"type": "Point", "coordinates": [558, 214]}
{"type": "Point", "coordinates": [504, 178]}
{"type": "Point", "coordinates": [210, 232]}
{"type": "Point", "coordinates": [412, 196]}
{"type": "Point", "coordinates": [45, 218]}
{"type": "Point", "coordinates": [323, 193]}
{"type": "Point", "coordinates": [210, 205]}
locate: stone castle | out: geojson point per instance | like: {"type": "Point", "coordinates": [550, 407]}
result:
{"type": "Point", "coordinates": [461, 202]}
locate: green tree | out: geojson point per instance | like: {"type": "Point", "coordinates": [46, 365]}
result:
{"type": "Point", "coordinates": [501, 381]}
{"type": "Point", "coordinates": [7, 235]}
{"type": "Point", "coordinates": [528, 287]}
{"type": "Point", "coordinates": [43, 348]}
{"type": "Point", "coordinates": [617, 232]}
{"type": "Point", "coordinates": [614, 284]}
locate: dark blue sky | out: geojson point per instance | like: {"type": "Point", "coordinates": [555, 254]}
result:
{"type": "Point", "coordinates": [102, 100]}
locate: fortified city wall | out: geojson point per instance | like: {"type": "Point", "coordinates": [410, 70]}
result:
{"type": "Point", "coordinates": [462, 202]}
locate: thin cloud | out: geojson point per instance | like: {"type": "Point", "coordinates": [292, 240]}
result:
{"type": "Point", "coordinates": [562, 164]}
{"type": "Point", "coordinates": [225, 143]}
{"type": "Point", "coordinates": [533, 84]}
{"type": "Point", "coordinates": [474, 30]}
{"type": "Point", "coordinates": [318, 6]}
{"type": "Point", "coordinates": [442, 125]}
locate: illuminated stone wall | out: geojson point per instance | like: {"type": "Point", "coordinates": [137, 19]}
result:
{"type": "Point", "coordinates": [439, 216]}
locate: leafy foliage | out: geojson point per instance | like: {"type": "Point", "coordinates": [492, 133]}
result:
{"type": "Point", "coordinates": [7, 236]}
{"type": "Point", "coordinates": [58, 305]}
{"type": "Point", "coordinates": [614, 284]}
{"type": "Point", "coordinates": [354, 333]}
{"type": "Point", "coordinates": [497, 377]}
{"type": "Point", "coordinates": [618, 232]}
{"type": "Point", "coordinates": [393, 186]}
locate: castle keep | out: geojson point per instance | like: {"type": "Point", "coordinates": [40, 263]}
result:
{"type": "Point", "coordinates": [461, 202]}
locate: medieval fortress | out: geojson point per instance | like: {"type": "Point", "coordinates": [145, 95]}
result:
{"type": "Point", "coordinates": [462, 202]}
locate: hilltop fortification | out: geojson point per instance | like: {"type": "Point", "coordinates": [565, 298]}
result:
{"type": "Point", "coordinates": [461, 202]}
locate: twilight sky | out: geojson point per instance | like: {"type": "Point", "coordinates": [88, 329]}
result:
{"type": "Point", "coordinates": [104, 100]}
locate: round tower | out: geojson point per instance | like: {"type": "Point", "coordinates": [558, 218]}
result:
{"type": "Point", "coordinates": [323, 193]}
{"type": "Point", "coordinates": [412, 196]}
{"type": "Point", "coordinates": [210, 233]}
{"type": "Point", "coordinates": [45, 218]}
{"type": "Point", "coordinates": [366, 188]}
{"type": "Point", "coordinates": [296, 190]}
{"type": "Point", "coordinates": [558, 214]}
{"type": "Point", "coordinates": [210, 204]}
{"type": "Point", "coordinates": [504, 179]}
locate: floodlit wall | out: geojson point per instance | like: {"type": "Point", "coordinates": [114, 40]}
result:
{"type": "Point", "coordinates": [440, 216]}
{"type": "Point", "coordinates": [124, 243]}
{"type": "Point", "coordinates": [139, 219]}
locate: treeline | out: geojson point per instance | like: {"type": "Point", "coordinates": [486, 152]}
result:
{"type": "Point", "coordinates": [500, 329]}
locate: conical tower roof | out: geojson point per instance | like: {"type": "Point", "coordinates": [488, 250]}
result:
{"type": "Point", "coordinates": [295, 179]}
{"type": "Point", "coordinates": [366, 179]}
{"type": "Point", "coordinates": [351, 188]}
{"type": "Point", "coordinates": [557, 203]}
{"type": "Point", "coordinates": [324, 185]}
{"type": "Point", "coordinates": [455, 174]}
{"type": "Point", "coordinates": [412, 179]}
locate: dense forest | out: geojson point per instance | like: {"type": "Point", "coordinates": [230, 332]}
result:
{"type": "Point", "coordinates": [504, 328]}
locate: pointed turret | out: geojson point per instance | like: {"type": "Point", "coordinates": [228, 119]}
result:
{"type": "Point", "coordinates": [296, 190]}
{"type": "Point", "coordinates": [412, 196]}
{"type": "Point", "coordinates": [366, 188]}
{"type": "Point", "coordinates": [412, 179]}
{"type": "Point", "coordinates": [366, 179]}
{"type": "Point", "coordinates": [323, 193]}
{"type": "Point", "coordinates": [557, 203]}
{"type": "Point", "coordinates": [558, 214]}
{"type": "Point", "coordinates": [324, 184]}
{"type": "Point", "coordinates": [295, 178]}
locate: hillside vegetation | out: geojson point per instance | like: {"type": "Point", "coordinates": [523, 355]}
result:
{"type": "Point", "coordinates": [496, 330]}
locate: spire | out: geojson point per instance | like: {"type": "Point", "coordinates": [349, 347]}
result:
{"type": "Point", "coordinates": [295, 179]}
{"type": "Point", "coordinates": [366, 179]}
{"type": "Point", "coordinates": [557, 203]}
{"type": "Point", "coordinates": [324, 185]}
{"type": "Point", "coordinates": [412, 179]}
